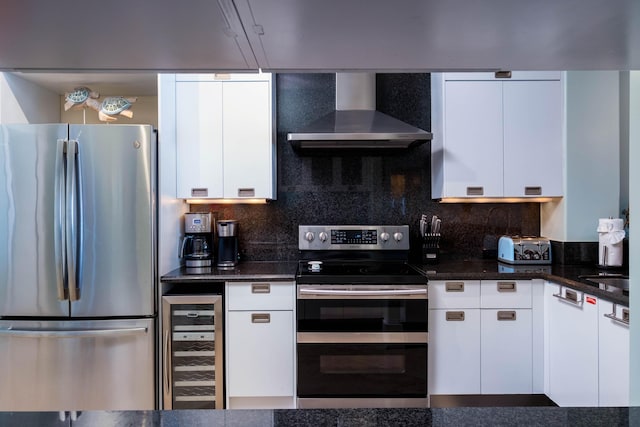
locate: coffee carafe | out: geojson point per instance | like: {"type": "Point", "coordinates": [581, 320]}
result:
{"type": "Point", "coordinates": [197, 246]}
{"type": "Point", "coordinates": [227, 243]}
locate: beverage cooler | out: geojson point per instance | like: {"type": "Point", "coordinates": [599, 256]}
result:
{"type": "Point", "coordinates": [193, 352]}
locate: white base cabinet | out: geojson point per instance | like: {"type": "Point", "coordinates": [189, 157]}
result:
{"type": "Point", "coordinates": [260, 337]}
{"type": "Point", "coordinates": [527, 336]}
{"type": "Point", "coordinates": [613, 354]}
{"type": "Point", "coordinates": [480, 337]}
{"type": "Point", "coordinates": [572, 341]}
{"type": "Point", "coordinates": [506, 337]}
{"type": "Point", "coordinates": [506, 356]}
{"type": "Point", "coordinates": [453, 363]}
{"type": "Point", "coordinates": [454, 351]}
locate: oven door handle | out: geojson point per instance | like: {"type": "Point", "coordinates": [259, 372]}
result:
{"type": "Point", "coordinates": [362, 293]}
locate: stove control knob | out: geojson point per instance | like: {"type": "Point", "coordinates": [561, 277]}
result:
{"type": "Point", "coordinates": [323, 236]}
{"type": "Point", "coordinates": [398, 236]}
{"type": "Point", "coordinates": [308, 236]}
{"type": "Point", "coordinates": [384, 236]}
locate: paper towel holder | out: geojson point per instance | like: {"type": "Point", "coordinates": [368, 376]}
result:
{"type": "Point", "coordinates": [610, 247]}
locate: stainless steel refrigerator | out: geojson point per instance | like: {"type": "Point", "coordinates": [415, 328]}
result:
{"type": "Point", "coordinates": [77, 267]}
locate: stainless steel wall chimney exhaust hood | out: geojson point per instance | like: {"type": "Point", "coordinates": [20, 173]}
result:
{"type": "Point", "coordinates": [356, 124]}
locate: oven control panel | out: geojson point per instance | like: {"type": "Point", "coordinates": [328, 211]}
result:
{"type": "Point", "coordinates": [353, 237]}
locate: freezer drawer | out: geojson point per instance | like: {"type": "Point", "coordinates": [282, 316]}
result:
{"type": "Point", "coordinates": [77, 365]}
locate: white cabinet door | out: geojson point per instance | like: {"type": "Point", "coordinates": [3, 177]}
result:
{"type": "Point", "coordinates": [613, 361]}
{"type": "Point", "coordinates": [247, 137]}
{"type": "Point", "coordinates": [506, 351]}
{"type": "Point", "coordinates": [260, 353]}
{"type": "Point", "coordinates": [532, 138]}
{"type": "Point", "coordinates": [199, 139]}
{"type": "Point", "coordinates": [573, 346]}
{"type": "Point", "coordinates": [454, 351]}
{"type": "Point", "coordinates": [472, 151]}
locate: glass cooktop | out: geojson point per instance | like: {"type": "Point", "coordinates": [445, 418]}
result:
{"type": "Point", "coordinates": [335, 271]}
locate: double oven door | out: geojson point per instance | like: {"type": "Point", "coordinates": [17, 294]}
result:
{"type": "Point", "coordinates": [362, 345]}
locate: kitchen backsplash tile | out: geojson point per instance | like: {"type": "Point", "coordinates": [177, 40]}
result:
{"type": "Point", "coordinates": [364, 187]}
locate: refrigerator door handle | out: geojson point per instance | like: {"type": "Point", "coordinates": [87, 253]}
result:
{"type": "Point", "coordinates": [73, 333]}
{"type": "Point", "coordinates": [59, 222]}
{"type": "Point", "coordinates": [72, 220]}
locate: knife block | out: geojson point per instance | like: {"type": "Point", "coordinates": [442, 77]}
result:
{"type": "Point", "coordinates": [430, 248]}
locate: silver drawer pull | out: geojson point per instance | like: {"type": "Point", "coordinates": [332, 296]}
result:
{"type": "Point", "coordinates": [455, 316]}
{"type": "Point", "coordinates": [475, 191]}
{"type": "Point", "coordinates": [260, 288]}
{"type": "Point", "coordinates": [570, 296]}
{"type": "Point", "coordinates": [260, 318]}
{"type": "Point", "coordinates": [506, 315]}
{"type": "Point", "coordinates": [246, 192]}
{"type": "Point", "coordinates": [533, 191]}
{"type": "Point", "coordinates": [454, 286]}
{"type": "Point", "coordinates": [200, 192]}
{"type": "Point", "coordinates": [625, 316]}
{"type": "Point", "coordinates": [365, 292]}
{"type": "Point", "coordinates": [502, 74]}
{"type": "Point", "coordinates": [506, 286]}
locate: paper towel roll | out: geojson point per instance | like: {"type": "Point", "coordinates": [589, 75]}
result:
{"type": "Point", "coordinates": [610, 236]}
{"type": "Point", "coordinates": [610, 224]}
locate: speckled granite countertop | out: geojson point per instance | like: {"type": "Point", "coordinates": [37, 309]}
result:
{"type": "Point", "coordinates": [507, 416]}
{"type": "Point", "coordinates": [471, 269]}
{"type": "Point", "coordinates": [479, 269]}
{"type": "Point", "coordinates": [243, 271]}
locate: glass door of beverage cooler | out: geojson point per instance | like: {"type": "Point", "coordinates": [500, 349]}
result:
{"type": "Point", "coordinates": [193, 352]}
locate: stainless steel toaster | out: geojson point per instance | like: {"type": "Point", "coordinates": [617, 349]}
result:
{"type": "Point", "coordinates": [524, 250]}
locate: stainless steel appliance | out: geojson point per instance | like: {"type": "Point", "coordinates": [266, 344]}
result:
{"type": "Point", "coordinates": [362, 319]}
{"type": "Point", "coordinates": [197, 246]}
{"type": "Point", "coordinates": [355, 123]}
{"type": "Point", "coordinates": [77, 267]}
{"type": "Point", "coordinates": [227, 243]}
{"type": "Point", "coordinates": [192, 345]}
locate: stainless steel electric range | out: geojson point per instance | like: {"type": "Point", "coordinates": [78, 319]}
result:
{"type": "Point", "coordinates": [362, 310]}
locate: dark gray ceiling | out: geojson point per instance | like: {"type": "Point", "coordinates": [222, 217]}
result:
{"type": "Point", "coordinates": [311, 35]}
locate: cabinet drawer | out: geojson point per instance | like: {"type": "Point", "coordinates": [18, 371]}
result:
{"type": "Point", "coordinates": [260, 295]}
{"type": "Point", "coordinates": [454, 294]}
{"type": "Point", "coordinates": [505, 294]}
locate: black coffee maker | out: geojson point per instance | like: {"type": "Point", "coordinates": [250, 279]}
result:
{"type": "Point", "coordinates": [227, 243]}
{"type": "Point", "coordinates": [197, 246]}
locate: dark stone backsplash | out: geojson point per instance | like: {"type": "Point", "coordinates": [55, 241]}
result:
{"type": "Point", "coordinates": [363, 188]}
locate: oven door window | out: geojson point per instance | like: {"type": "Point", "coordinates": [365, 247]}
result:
{"type": "Point", "coordinates": [362, 370]}
{"type": "Point", "coordinates": [364, 315]}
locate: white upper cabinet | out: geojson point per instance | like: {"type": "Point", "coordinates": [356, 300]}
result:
{"type": "Point", "coordinates": [199, 139]}
{"type": "Point", "coordinates": [249, 146]}
{"type": "Point", "coordinates": [533, 154]}
{"type": "Point", "coordinates": [225, 137]}
{"type": "Point", "coordinates": [497, 137]}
